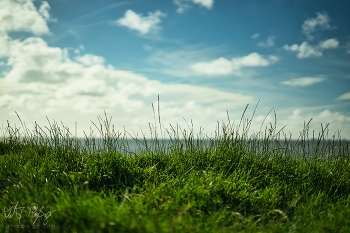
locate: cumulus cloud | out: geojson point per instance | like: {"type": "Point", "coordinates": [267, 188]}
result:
{"type": "Point", "coordinates": [175, 62]}
{"type": "Point", "coordinates": [223, 66]}
{"type": "Point", "coordinates": [220, 66]}
{"type": "Point", "coordinates": [6, 100]}
{"type": "Point", "coordinates": [44, 10]}
{"type": "Point", "coordinates": [205, 3]}
{"type": "Point", "coordinates": [336, 120]}
{"type": "Point", "coordinates": [302, 82]}
{"type": "Point", "coordinates": [184, 5]}
{"type": "Point", "coordinates": [4, 42]}
{"type": "Point", "coordinates": [33, 61]}
{"type": "Point", "coordinates": [305, 50]}
{"type": "Point", "coordinates": [345, 96]}
{"type": "Point", "coordinates": [142, 24]}
{"type": "Point", "coordinates": [268, 43]}
{"type": "Point", "coordinates": [22, 15]}
{"type": "Point", "coordinates": [90, 59]}
{"type": "Point", "coordinates": [322, 21]}
{"type": "Point", "coordinates": [293, 120]}
{"type": "Point", "coordinates": [328, 44]}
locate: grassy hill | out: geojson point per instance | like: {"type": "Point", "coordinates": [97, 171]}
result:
{"type": "Point", "coordinates": [49, 182]}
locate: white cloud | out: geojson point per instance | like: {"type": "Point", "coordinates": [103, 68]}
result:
{"type": "Point", "coordinates": [90, 59]}
{"type": "Point", "coordinates": [254, 59]}
{"type": "Point", "coordinates": [345, 96]}
{"type": "Point", "coordinates": [142, 24]}
{"type": "Point", "coordinates": [184, 5]}
{"type": "Point", "coordinates": [268, 43]}
{"type": "Point", "coordinates": [223, 66]}
{"type": "Point", "coordinates": [302, 82]}
{"type": "Point", "coordinates": [21, 15]}
{"type": "Point", "coordinates": [328, 44]}
{"type": "Point", "coordinates": [33, 61]}
{"type": "Point", "coordinates": [256, 35]}
{"type": "Point", "coordinates": [78, 50]}
{"type": "Point", "coordinates": [205, 3]}
{"type": "Point", "coordinates": [4, 42]}
{"type": "Point", "coordinates": [293, 120]}
{"type": "Point", "coordinates": [176, 62]}
{"type": "Point", "coordinates": [220, 66]}
{"type": "Point", "coordinates": [44, 10]}
{"type": "Point", "coordinates": [6, 100]}
{"type": "Point", "coordinates": [304, 50]}
{"type": "Point", "coordinates": [336, 120]}
{"type": "Point", "coordinates": [322, 21]}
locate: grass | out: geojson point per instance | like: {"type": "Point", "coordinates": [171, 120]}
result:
{"type": "Point", "coordinates": [49, 182]}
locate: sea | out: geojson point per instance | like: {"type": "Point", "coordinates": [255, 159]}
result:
{"type": "Point", "coordinates": [305, 148]}
{"type": "Point", "coordinates": [325, 148]}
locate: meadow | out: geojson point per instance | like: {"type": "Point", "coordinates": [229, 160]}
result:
{"type": "Point", "coordinates": [50, 182]}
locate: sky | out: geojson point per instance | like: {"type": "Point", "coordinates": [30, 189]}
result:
{"type": "Point", "coordinates": [73, 61]}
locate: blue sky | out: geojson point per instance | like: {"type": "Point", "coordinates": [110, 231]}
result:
{"type": "Point", "coordinates": [73, 60]}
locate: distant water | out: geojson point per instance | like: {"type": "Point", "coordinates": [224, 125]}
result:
{"type": "Point", "coordinates": [293, 147]}
{"type": "Point", "coordinates": [327, 148]}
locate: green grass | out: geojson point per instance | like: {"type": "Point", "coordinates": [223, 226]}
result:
{"type": "Point", "coordinates": [235, 183]}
